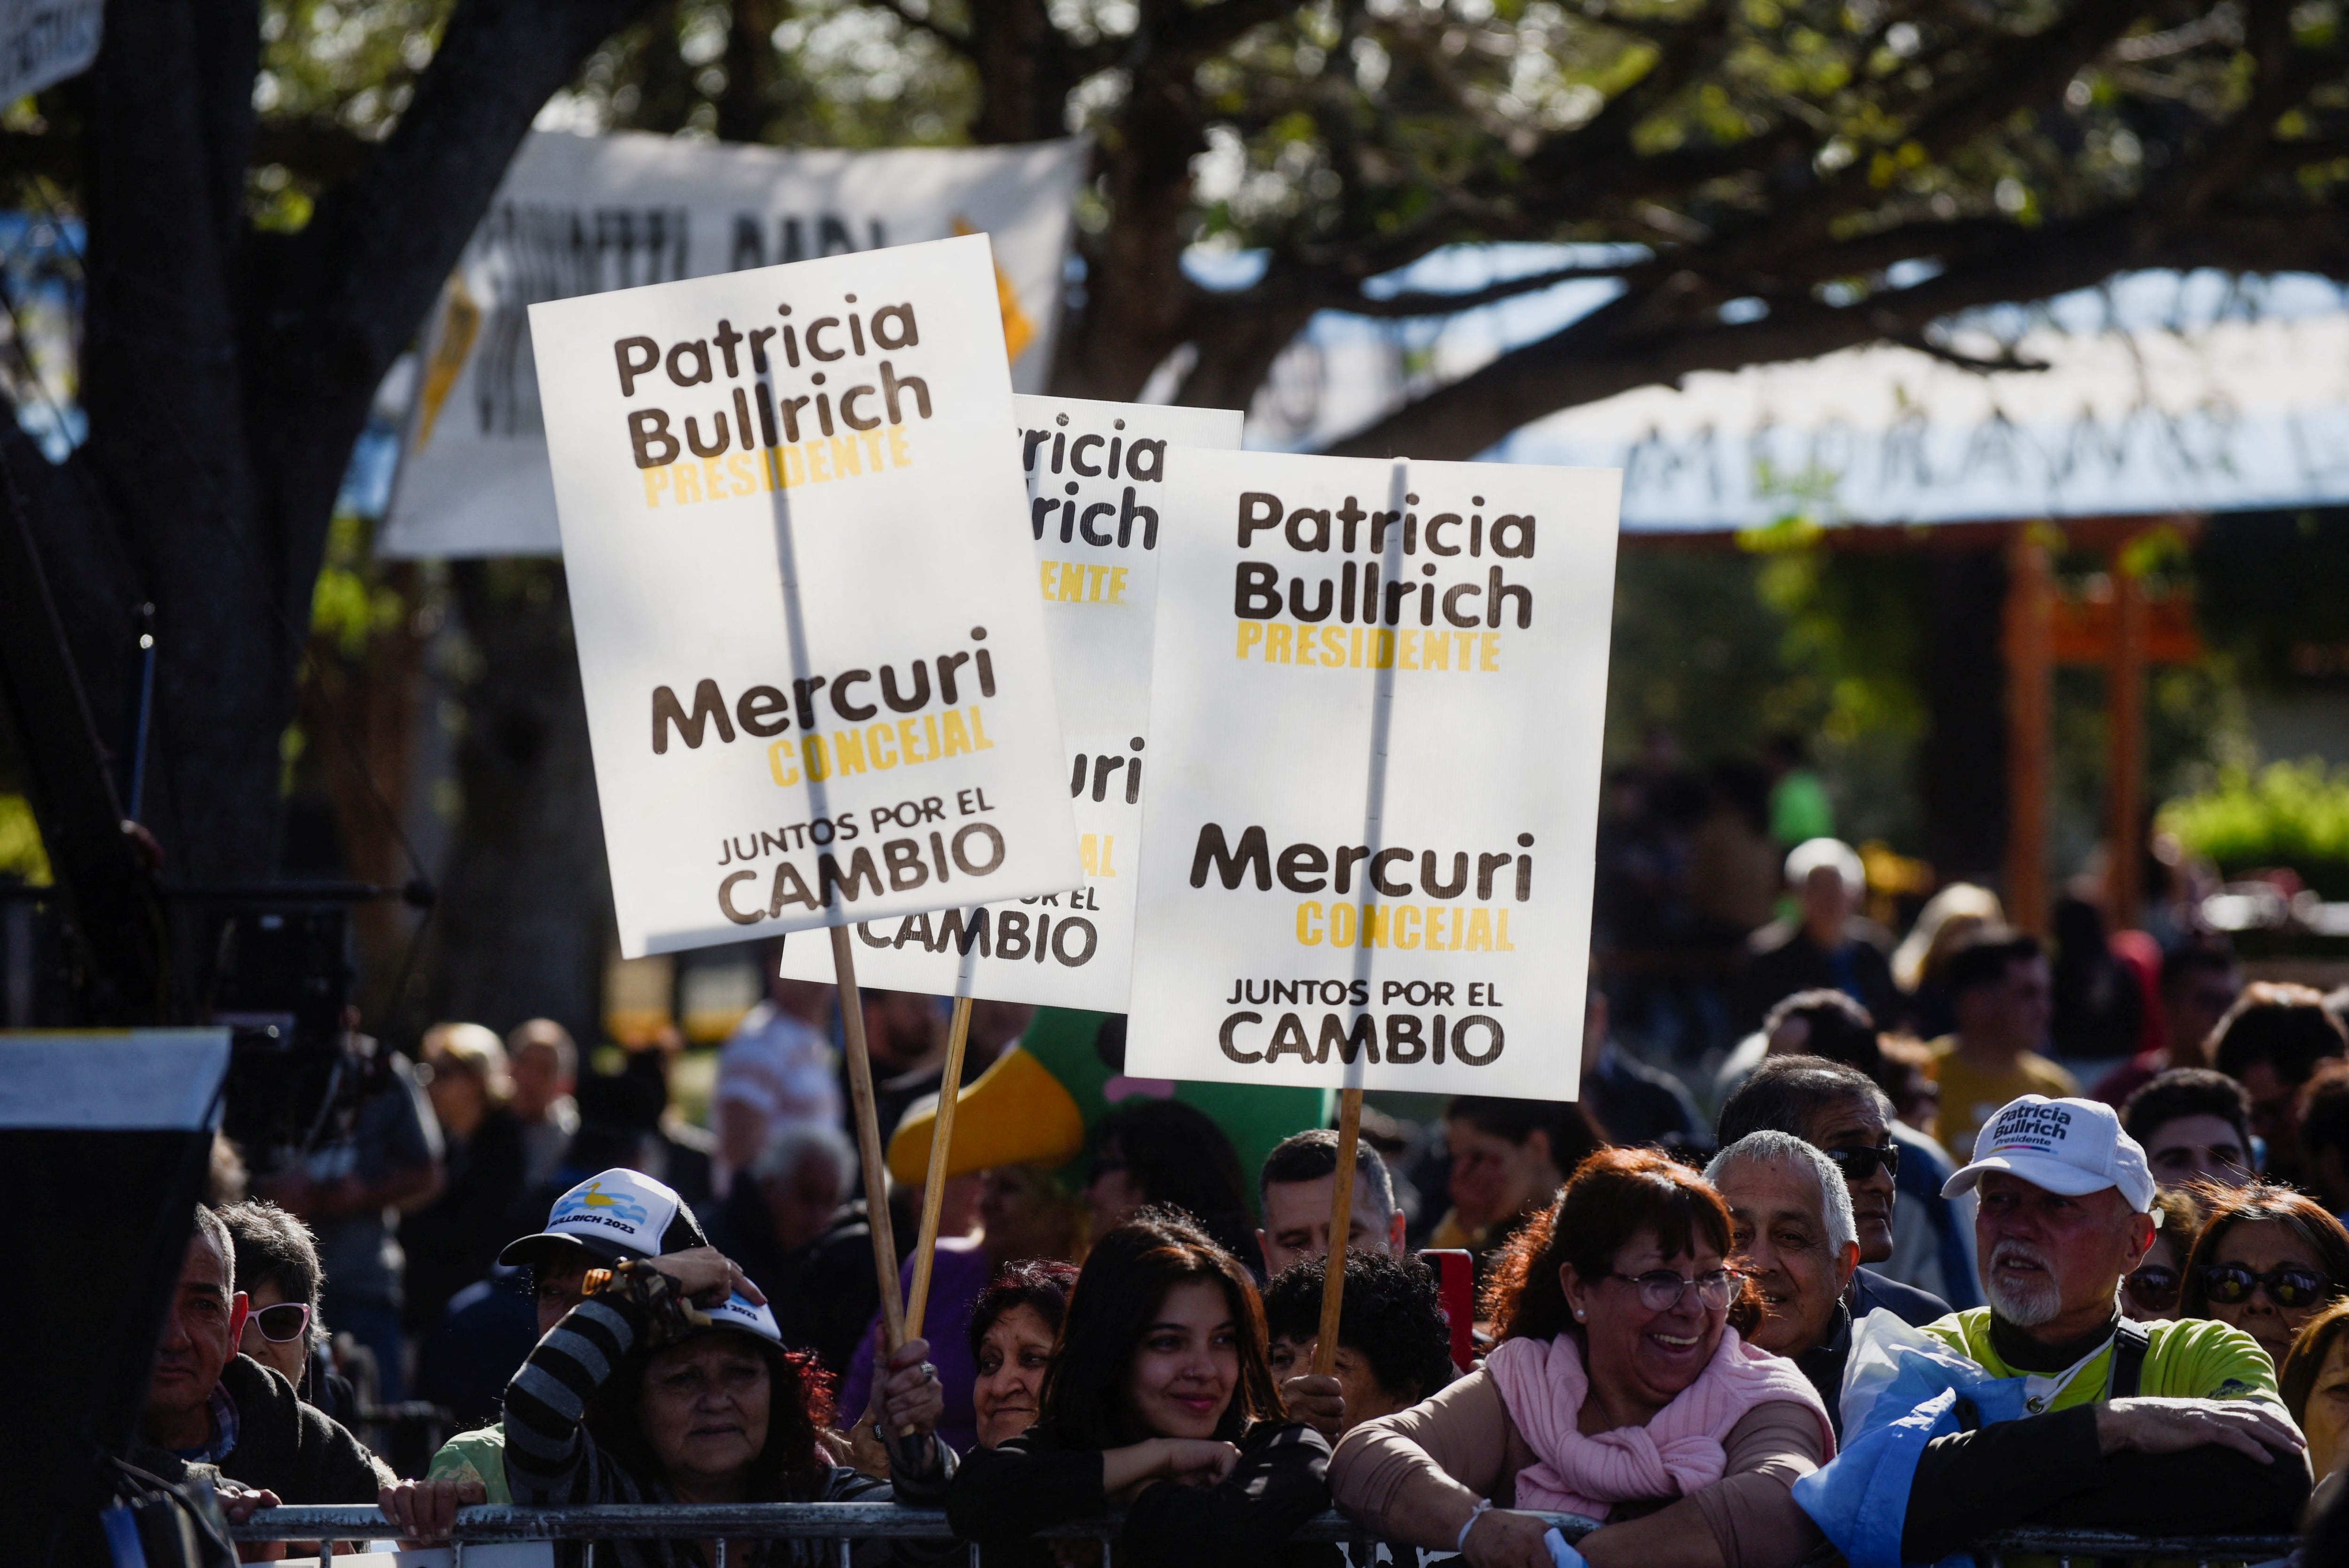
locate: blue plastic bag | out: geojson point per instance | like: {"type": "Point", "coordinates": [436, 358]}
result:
{"type": "Point", "coordinates": [1900, 1390]}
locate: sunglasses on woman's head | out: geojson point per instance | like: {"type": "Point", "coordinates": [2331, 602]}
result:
{"type": "Point", "coordinates": [2231, 1284]}
{"type": "Point", "coordinates": [287, 1321]}
{"type": "Point", "coordinates": [2153, 1288]}
{"type": "Point", "coordinates": [1860, 1164]}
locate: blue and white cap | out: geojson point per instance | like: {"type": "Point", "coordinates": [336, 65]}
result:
{"type": "Point", "coordinates": [2073, 1147]}
{"type": "Point", "coordinates": [736, 1313]}
{"type": "Point", "coordinates": [619, 1213]}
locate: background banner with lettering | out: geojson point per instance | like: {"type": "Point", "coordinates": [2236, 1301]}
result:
{"type": "Point", "coordinates": [581, 214]}
{"type": "Point", "coordinates": [1097, 478]}
{"type": "Point", "coordinates": [797, 543]}
{"type": "Point", "coordinates": [1378, 699]}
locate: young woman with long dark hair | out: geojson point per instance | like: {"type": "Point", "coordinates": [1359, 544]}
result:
{"type": "Point", "coordinates": [1159, 1401]}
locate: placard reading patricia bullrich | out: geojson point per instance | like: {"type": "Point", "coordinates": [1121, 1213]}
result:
{"type": "Point", "coordinates": [1097, 476]}
{"type": "Point", "coordinates": [1322, 885]}
{"type": "Point", "coordinates": [800, 572]}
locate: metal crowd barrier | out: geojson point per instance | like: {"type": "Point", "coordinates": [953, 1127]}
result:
{"type": "Point", "coordinates": [849, 1522]}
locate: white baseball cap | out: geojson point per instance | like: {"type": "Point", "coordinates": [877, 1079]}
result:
{"type": "Point", "coordinates": [2073, 1147]}
{"type": "Point", "coordinates": [736, 1313]}
{"type": "Point", "coordinates": [618, 1213]}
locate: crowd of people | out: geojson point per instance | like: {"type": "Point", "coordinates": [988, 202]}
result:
{"type": "Point", "coordinates": [1707, 1315]}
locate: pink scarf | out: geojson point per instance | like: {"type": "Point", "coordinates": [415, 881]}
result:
{"type": "Point", "coordinates": [1678, 1452]}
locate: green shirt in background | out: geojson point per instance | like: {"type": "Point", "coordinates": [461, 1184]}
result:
{"type": "Point", "coordinates": [1799, 810]}
{"type": "Point", "coordinates": [2196, 1359]}
{"type": "Point", "coordinates": [474, 1456]}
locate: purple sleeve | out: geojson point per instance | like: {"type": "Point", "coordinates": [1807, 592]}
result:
{"type": "Point", "coordinates": [856, 1388]}
{"type": "Point", "coordinates": [955, 1280]}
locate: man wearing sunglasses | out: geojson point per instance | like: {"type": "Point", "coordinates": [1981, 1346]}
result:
{"type": "Point", "coordinates": [207, 1404]}
{"type": "Point", "coordinates": [2153, 1428]}
{"type": "Point", "coordinates": [1839, 1111]}
{"type": "Point", "coordinates": [617, 1215]}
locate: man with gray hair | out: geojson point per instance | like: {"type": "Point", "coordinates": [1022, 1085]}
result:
{"type": "Point", "coordinates": [1839, 1111]}
{"type": "Point", "coordinates": [2159, 1428]}
{"type": "Point", "coordinates": [792, 1223]}
{"type": "Point", "coordinates": [1793, 1235]}
{"type": "Point", "coordinates": [209, 1405]}
{"type": "Point", "coordinates": [1826, 943]}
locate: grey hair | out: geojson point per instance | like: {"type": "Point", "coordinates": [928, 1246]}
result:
{"type": "Point", "coordinates": [788, 1148]}
{"type": "Point", "coordinates": [215, 1234]}
{"type": "Point", "coordinates": [274, 1247]}
{"type": "Point", "coordinates": [1785, 1148]}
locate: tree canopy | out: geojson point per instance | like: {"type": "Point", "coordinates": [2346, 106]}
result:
{"type": "Point", "coordinates": [273, 191]}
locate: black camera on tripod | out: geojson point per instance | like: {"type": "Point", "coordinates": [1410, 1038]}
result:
{"type": "Point", "coordinates": [281, 980]}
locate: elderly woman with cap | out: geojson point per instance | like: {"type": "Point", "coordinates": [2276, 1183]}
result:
{"type": "Point", "coordinates": [670, 1383]}
{"type": "Point", "coordinates": [612, 1217]}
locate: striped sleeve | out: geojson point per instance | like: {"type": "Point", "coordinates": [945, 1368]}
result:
{"type": "Point", "coordinates": [549, 1457]}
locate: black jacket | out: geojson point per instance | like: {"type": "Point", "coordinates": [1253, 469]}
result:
{"type": "Point", "coordinates": [283, 1446]}
{"type": "Point", "coordinates": [1002, 1496]}
{"type": "Point", "coordinates": [825, 1294]}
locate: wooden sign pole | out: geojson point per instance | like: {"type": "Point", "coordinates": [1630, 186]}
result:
{"type": "Point", "coordinates": [1341, 1221]}
{"type": "Point", "coordinates": [934, 1187]}
{"type": "Point", "coordinates": [868, 1139]}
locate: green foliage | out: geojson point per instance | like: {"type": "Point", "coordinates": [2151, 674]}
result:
{"type": "Point", "coordinates": [2293, 814]}
{"type": "Point", "coordinates": [819, 73]}
{"type": "Point", "coordinates": [350, 603]}
{"type": "Point", "coordinates": [23, 858]}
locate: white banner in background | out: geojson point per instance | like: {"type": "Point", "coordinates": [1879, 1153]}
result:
{"type": "Point", "coordinates": [581, 214]}
{"type": "Point", "coordinates": [1376, 714]}
{"type": "Point", "coordinates": [1097, 479]}
{"type": "Point", "coordinates": [817, 681]}
{"type": "Point", "coordinates": [42, 42]}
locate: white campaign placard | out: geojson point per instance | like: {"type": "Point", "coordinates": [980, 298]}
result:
{"type": "Point", "coordinates": [581, 214]}
{"type": "Point", "coordinates": [1376, 713]}
{"type": "Point", "coordinates": [1098, 475]}
{"type": "Point", "coordinates": [817, 682]}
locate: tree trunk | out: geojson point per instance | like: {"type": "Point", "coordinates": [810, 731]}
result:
{"type": "Point", "coordinates": [525, 922]}
{"type": "Point", "coordinates": [1962, 763]}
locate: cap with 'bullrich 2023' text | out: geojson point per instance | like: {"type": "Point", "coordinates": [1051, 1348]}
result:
{"type": "Point", "coordinates": [619, 1213]}
{"type": "Point", "coordinates": [2073, 1147]}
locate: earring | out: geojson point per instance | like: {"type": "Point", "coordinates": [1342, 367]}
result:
{"type": "Point", "coordinates": [1578, 1315]}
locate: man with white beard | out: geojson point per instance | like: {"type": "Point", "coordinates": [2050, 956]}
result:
{"type": "Point", "coordinates": [2146, 1428]}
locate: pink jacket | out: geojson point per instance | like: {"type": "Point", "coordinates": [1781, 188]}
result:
{"type": "Point", "coordinates": [1678, 1452]}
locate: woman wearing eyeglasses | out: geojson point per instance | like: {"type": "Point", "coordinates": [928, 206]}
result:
{"type": "Point", "coordinates": [1620, 1391]}
{"type": "Point", "coordinates": [2149, 1292]}
{"type": "Point", "coordinates": [2267, 1261]}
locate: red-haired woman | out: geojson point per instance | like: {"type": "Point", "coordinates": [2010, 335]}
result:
{"type": "Point", "coordinates": [1159, 1401]}
{"type": "Point", "coordinates": [1620, 1391]}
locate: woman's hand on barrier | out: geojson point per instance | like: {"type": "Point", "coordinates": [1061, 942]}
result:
{"type": "Point", "coordinates": [1318, 1402]}
{"type": "Point", "coordinates": [1129, 1471]}
{"type": "Point", "coordinates": [907, 1403]}
{"type": "Point", "coordinates": [424, 1510]}
{"type": "Point", "coordinates": [2172, 1426]}
{"type": "Point", "coordinates": [1504, 1538]}
{"type": "Point", "coordinates": [707, 1277]}
{"type": "Point", "coordinates": [1196, 1461]}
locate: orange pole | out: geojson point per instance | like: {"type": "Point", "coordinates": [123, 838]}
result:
{"type": "Point", "coordinates": [2030, 725]}
{"type": "Point", "coordinates": [2125, 732]}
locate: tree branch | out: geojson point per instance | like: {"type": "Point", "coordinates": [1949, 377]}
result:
{"type": "Point", "coordinates": [1424, 303]}
{"type": "Point", "coordinates": [936, 29]}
